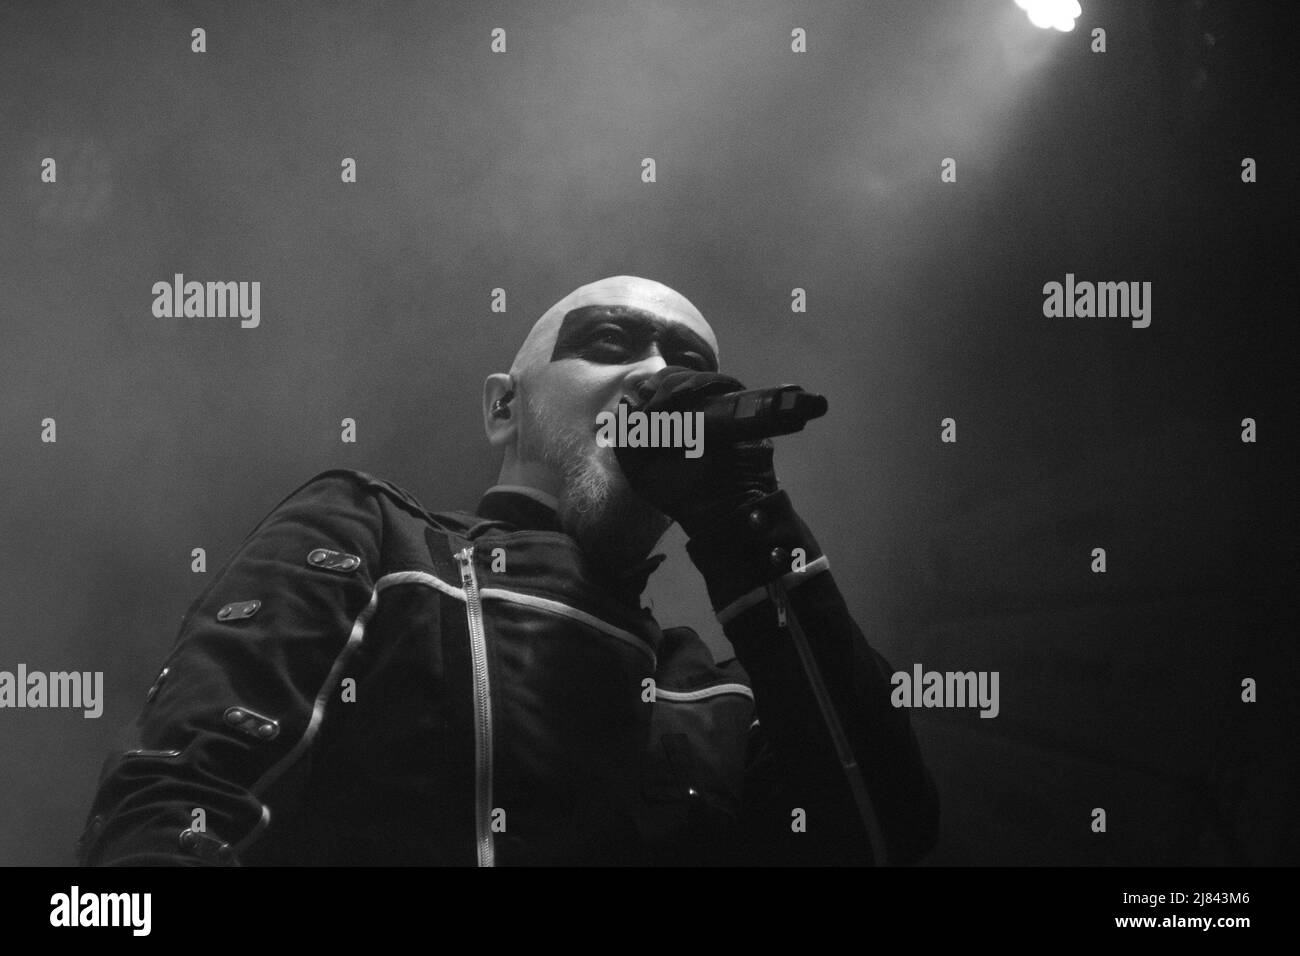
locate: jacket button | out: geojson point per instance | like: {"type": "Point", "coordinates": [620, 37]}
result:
{"type": "Point", "coordinates": [238, 610]}
{"type": "Point", "coordinates": [205, 846]}
{"type": "Point", "coordinates": [333, 560]}
{"type": "Point", "coordinates": [251, 723]}
{"type": "Point", "coordinates": [779, 557]}
{"type": "Point", "coordinates": [757, 520]}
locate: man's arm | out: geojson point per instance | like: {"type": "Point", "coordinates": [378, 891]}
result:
{"type": "Point", "coordinates": [766, 609]}
{"type": "Point", "coordinates": [836, 749]}
{"type": "Point", "coordinates": [243, 692]}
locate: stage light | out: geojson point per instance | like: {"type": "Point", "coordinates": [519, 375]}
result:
{"type": "Point", "coordinates": [1051, 13]}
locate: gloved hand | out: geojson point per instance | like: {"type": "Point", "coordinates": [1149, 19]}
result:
{"type": "Point", "coordinates": [695, 492]}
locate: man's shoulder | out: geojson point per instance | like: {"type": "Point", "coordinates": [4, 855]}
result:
{"type": "Point", "coordinates": [339, 488]}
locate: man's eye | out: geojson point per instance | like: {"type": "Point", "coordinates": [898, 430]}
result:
{"type": "Point", "coordinates": [692, 360]}
{"type": "Point", "coordinates": [610, 338]}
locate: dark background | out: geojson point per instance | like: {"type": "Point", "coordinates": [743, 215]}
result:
{"type": "Point", "coordinates": [776, 170]}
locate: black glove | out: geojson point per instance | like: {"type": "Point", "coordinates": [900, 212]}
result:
{"type": "Point", "coordinates": [695, 492]}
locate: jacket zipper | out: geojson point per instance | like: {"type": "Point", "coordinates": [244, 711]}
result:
{"type": "Point", "coordinates": [482, 712]}
{"type": "Point", "coordinates": [788, 620]}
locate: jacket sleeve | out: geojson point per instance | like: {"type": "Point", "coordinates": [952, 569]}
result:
{"type": "Point", "coordinates": [772, 590]}
{"type": "Point", "coordinates": [242, 694]}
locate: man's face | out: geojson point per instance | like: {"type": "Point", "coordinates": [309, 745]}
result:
{"type": "Point", "coordinates": [601, 352]}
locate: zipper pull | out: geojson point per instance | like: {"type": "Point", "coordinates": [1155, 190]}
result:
{"type": "Point", "coordinates": [465, 557]}
{"type": "Point", "coordinates": [777, 594]}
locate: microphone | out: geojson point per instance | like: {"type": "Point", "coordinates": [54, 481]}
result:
{"type": "Point", "coordinates": [753, 413]}
{"type": "Point", "coordinates": [760, 412]}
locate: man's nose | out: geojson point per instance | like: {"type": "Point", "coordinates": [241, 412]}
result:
{"type": "Point", "coordinates": [635, 387]}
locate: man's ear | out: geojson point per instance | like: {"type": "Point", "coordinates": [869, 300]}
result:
{"type": "Point", "coordinates": [498, 409]}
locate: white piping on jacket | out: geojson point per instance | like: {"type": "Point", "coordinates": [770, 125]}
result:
{"type": "Point", "coordinates": [564, 610]}
{"type": "Point", "coordinates": [717, 690]}
{"type": "Point", "coordinates": [791, 580]}
{"type": "Point", "coordinates": [357, 635]}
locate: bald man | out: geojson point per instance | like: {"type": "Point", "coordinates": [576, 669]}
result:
{"type": "Point", "coordinates": [368, 682]}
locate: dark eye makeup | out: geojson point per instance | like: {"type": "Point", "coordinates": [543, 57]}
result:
{"type": "Point", "coordinates": [610, 340]}
{"type": "Point", "coordinates": [620, 336]}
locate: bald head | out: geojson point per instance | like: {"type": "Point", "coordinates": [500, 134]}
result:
{"type": "Point", "coordinates": [621, 293]}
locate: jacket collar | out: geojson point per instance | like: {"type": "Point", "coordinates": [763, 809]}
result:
{"type": "Point", "coordinates": [523, 508]}
{"type": "Point", "coordinates": [527, 509]}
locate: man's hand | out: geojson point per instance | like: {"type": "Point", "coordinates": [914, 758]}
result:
{"type": "Point", "coordinates": [695, 492]}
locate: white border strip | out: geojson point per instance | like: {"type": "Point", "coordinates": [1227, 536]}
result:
{"type": "Point", "coordinates": [717, 690]}
{"type": "Point", "coordinates": [791, 580]}
{"type": "Point", "coordinates": [419, 577]}
{"type": "Point", "coordinates": [326, 692]}
{"type": "Point", "coordinates": [555, 607]}
{"type": "Point", "coordinates": [357, 635]}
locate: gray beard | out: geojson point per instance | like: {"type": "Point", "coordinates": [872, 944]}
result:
{"type": "Point", "coordinates": [614, 526]}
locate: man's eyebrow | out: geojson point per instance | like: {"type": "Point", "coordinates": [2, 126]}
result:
{"type": "Point", "coordinates": [577, 322]}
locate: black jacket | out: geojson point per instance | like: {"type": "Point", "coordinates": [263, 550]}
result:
{"type": "Point", "coordinates": [368, 683]}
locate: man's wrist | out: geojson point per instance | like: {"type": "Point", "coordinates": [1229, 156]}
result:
{"type": "Point", "coordinates": [701, 523]}
{"type": "Point", "coordinates": [753, 542]}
